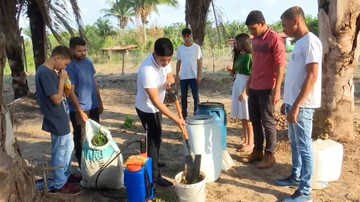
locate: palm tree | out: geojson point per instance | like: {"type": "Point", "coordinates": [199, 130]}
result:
{"type": "Point", "coordinates": [339, 32]}
{"type": "Point", "coordinates": [54, 16]}
{"type": "Point", "coordinates": [14, 170]}
{"type": "Point", "coordinates": [196, 14]}
{"type": "Point", "coordinates": [104, 28]}
{"type": "Point", "coordinates": [144, 8]}
{"type": "Point", "coordinates": [9, 25]}
{"type": "Point", "coordinates": [121, 10]}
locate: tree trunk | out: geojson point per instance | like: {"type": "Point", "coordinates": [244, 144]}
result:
{"type": "Point", "coordinates": [144, 32]}
{"type": "Point", "coordinates": [17, 179]}
{"type": "Point", "coordinates": [38, 34]}
{"type": "Point", "coordinates": [197, 12]}
{"type": "Point", "coordinates": [216, 22]}
{"type": "Point", "coordinates": [10, 28]}
{"type": "Point", "coordinates": [339, 23]}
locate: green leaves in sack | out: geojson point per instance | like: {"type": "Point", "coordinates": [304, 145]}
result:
{"type": "Point", "coordinates": [128, 122]}
{"type": "Point", "coordinates": [99, 139]}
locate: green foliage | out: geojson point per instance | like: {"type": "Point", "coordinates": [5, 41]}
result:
{"type": "Point", "coordinates": [277, 27]}
{"type": "Point", "coordinates": [104, 28]}
{"type": "Point", "coordinates": [313, 24]}
{"type": "Point", "coordinates": [128, 122]}
{"type": "Point", "coordinates": [102, 34]}
{"type": "Point", "coordinates": [99, 139]}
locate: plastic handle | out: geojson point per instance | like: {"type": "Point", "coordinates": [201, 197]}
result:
{"type": "Point", "coordinates": [181, 117]}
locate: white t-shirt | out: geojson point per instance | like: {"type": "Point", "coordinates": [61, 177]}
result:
{"type": "Point", "coordinates": [307, 50]}
{"type": "Point", "coordinates": [150, 75]}
{"type": "Point", "coordinates": [188, 55]}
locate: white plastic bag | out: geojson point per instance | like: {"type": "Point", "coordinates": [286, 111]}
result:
{"type": "Point", "coordinates": [227, 161]}
{"type": "Point", "coordinates": [93, 158]}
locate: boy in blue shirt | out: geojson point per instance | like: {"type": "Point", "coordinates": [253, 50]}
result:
{"type": "Point", "coordinates": [50, 79]}
{"type": "Point", "coordinates": [85, 101]}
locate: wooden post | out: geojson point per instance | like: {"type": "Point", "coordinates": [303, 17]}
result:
{"type": "Point", "coordinates": [110, 53]}
{"type": "Point", "coordinates": [123, 62]}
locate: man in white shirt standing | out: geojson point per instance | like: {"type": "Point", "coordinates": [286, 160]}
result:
{"type": "Point", "coordinates": [302, 94]}
{"type": "Point", "coordinates": [153, 79]}
{"type": "Point", "coordinates": [189, 64]}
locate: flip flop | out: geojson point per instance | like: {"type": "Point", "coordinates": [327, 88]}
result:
{"type": "Point", "coordinates": [239, 148]}
{"type": "Point", "coordinates": [243, 150]}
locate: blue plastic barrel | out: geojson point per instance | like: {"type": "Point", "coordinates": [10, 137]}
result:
{"type": "Point", "coordinates": [217, 110]}
{"type": "Point", "coordinates": [135, 183]}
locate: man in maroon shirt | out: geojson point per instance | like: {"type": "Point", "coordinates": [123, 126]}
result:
{"type": "Point", "coordinates": [268, 59]}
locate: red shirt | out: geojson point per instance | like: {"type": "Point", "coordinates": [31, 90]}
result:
{"type": "Point", "coordinates": [268, 53]}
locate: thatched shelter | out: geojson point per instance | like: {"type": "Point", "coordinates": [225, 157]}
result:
{"type": "Point", "coordinates": [119, 49]}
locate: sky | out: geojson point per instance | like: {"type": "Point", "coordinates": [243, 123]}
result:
{"type": "Point", "coordinates": [233, 10]}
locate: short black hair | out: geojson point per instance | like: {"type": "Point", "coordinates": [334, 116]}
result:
{"type": "Point", "coordinates": [77, 41]}
{"type": "Point", "coordinates": [163, 47]}
{"type": "Point", "coordinates": [254, 17]}
{"type": "Point", "coordinates": [61, 51]}
{"type": "Point", "coordinates": [186, 32]}
{"type": "Point", "coordinates": [295, 11]}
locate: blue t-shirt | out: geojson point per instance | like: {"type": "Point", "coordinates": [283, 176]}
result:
{"type": "Point", "coordinates": [56, 117]}
{"type": "Point", "coordinates": [81, 75]}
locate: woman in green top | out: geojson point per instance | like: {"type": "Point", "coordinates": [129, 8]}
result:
{"type": "Point", "coordinates": [241, 71]}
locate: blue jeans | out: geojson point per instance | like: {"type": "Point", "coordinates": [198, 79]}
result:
{"type": "Point", "coordinates": [61, 150]}
{"type": "Point", "coordinates": [184, 86]}
{"type": "Point", "coordinates": [301, 148]}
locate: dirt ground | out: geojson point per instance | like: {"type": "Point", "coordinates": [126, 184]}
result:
{"type": "Point", "coordinates": [243, 183]}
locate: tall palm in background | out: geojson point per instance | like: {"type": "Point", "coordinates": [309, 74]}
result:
{"type": "Point", "coordinates": [54, 15]}
{"type": "Point", "coordinates": [9, 26]}
{"type": "Point", "coordinates": [121, 10]}
{"type": "Point", "coordinates": [144, 8]}
{"type": "Point", "coordinates": [104, 28]}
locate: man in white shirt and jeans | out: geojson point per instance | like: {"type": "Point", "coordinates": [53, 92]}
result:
{"type": "Point", "coordinates": [189, 63]}
{"type": "Point", "coordinates": [302, 94]}
{"type": "Point", "coordinates": [153, 79]}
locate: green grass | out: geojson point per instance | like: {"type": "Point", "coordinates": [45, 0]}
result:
{"type": "Point", "coordinates": [165, 196]}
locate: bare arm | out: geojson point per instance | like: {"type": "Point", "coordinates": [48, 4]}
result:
{"type": "Point", "coordinates": [244, 92]}
{"type": "Point", "coordinates": [199, 64]}
{"type": "Point", "coordinates": [97, 90]}
{"type": "Point", "coordinates": [154, 97]}
{"type": "Point", "coordinates": [74, 100]}
{"type": "Point", "coordinates": [279, 78]}
{"type": "Point", "coordinates": [311, 77]}
{"type": "Point", "coordinates": [57, 98]}
{"type": "Point", "coordinates": [178, 66]}
{"type": "Point", "coordinates": [170, 78]}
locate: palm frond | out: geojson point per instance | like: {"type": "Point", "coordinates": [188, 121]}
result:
{"type": "Point", "coordinates": [77, 13]}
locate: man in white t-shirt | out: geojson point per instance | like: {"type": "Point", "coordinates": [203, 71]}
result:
{"type": "Point", "coordinates": [302, 94]}
{"type": "Point", "coordinates": [188, 70]}
{"type": "Point", "coordinates": [153, 79]}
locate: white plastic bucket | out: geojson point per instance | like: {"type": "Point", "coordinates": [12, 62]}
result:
{"type": "Point", "coordinates": [205, 140]}
{"type": "Point", "coordinates": [190, 192]}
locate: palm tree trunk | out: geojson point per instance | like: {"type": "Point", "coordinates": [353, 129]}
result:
{"type": "Point", "coordinates": [216, 22]}
{"type": "Point", "coordinates": [339, 24]}
{"type": "Point", "coordinates": [17, 180]}
{"type": "Point", "coordinates": [10, 28]}
{"type": "Point", "coordinates": [144, 32]}
{"type": "Point", "coordinates": [38, 34]}
{"type": "Point", "coordinates": [197, 12]}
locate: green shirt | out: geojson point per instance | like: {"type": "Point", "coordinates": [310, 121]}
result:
{"type": "Point", "coordinates": [243, 64]}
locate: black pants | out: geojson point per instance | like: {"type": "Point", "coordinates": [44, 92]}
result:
{"type": "Point", "coordinates": [153, 122]}
{"type": "Point", "coordinates": [261, 111]}
{"type": "Point", "coordinates": [79, 129]}
{"type": "Point", "coordinates": [184, 86]}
